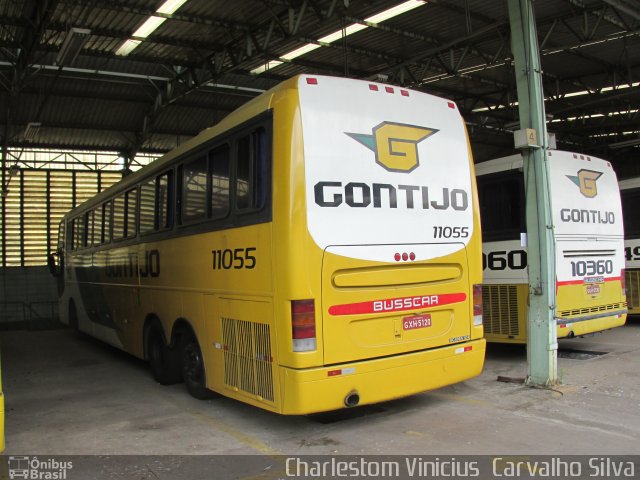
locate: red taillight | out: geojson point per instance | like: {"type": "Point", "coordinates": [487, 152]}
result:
{"type": "Point", "coordinates": [303, 325]}
{"type": "Point", "coordinates": [623, 281]}
{"type": "Point", "coordinates": [477, 305]}
{"type": "Point", "coordinates": [312, 81]}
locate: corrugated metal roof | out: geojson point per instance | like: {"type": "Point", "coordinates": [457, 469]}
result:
{"type": "Point", "coordinates": [454, 48]}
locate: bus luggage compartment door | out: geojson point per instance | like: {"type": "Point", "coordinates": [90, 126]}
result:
{"type": "Point", "coordinates": [374, 309]}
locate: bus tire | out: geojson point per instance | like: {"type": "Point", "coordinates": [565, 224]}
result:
{"type": "Point", "coordinates": [193, 367]}
{"type": "Point", "coordinates": [164, 362]}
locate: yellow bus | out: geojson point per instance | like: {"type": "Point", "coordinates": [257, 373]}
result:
{"type": "Point", "coordinates": [630, 193]}
{"type": "Point", "coordinates": [588, 234]}
{"type": "Point", "coordinates": [317, 249]}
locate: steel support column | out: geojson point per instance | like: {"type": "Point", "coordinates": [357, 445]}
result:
{"type": "Point", "coordinates": [542, 344]}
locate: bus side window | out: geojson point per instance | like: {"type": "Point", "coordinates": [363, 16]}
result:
{"type": "Point", "coordinates": [88, 230]}
{"type": "Point", "coordinates": [131, 210]}
{"type": "Point", "coordinates": [118, 217]}
{"type": "Point", "coordinates": [60, 245]}
{"type": "Point", "coordinates": [98, 225]}
{"type": "Point", "coordinates": [80, 231]}
{"type": "Point", "coordinates": [147, 207]}
{"type": "Point", "coordinates": [219, 180]}
{"type": "Point", "coordinates": [107, 220]}
{"type": "Point", "coordinates": [71, 237]}
{"type": "Point", "coordinates": [630, 218]}
{"type": "Point", "coordinates": [251, 171]}
{"type": "Point", "coordinates": [501, 206]}
{"type": "Point", "coordinates": [194, 190]}
{"type": "Point", "coordinates": [164, 203]}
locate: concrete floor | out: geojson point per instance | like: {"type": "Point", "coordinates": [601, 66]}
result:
{"type": "Point", "coordinates": [68, 394]}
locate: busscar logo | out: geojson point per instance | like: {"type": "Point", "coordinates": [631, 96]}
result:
{"type": "Point", "coordinates": [395, 144]}
{"type": "Point", "coordinates": [586, 182]}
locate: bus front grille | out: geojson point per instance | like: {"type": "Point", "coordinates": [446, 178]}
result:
{"type": "Point", "coordinates": [500, 310]}
{"type": "Point", "coordinates": [633, 288]}
{"type": "Point", "coordinates": [248, 363]}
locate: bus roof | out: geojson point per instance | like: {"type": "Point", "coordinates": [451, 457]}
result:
{"type": "Point", "coordinates": [515, 162]}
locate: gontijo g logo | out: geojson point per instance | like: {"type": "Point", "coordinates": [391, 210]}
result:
{"type": "Point", "coordinates": [395, 144]}
{"type": "Point", "coordinates": [586, 181]}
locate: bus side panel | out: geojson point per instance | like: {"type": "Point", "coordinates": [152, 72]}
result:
{"type": "Point", "coordinates": [242, 357]}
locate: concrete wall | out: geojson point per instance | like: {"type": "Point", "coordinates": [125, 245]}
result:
{"type": "Point", "coordinates": [28, 298]}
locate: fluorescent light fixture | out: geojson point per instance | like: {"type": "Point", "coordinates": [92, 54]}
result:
{"type": "Point", "coordinates": [625, 143]}
{"type": "Point", "coordinates": [266, 66]}
{"type": "Point", "coordinates": [170, 6]}
{"type": "Point", "coordinates": [395, 11]}
{"type": "Point", "coordinates": [571, 94]}
{"type": "Point", "coordinates": [127, 47]}
{"type": "Point", "coordinates": [32, 130]}
{"type": "Point", "coordinates": [149, 26]}
{"type": "Point", "coordinates": [73, 42]}
{"type": "Point", "coordinates": [298, 52]}
{"type": "Point", "coordinates": [340, 34]}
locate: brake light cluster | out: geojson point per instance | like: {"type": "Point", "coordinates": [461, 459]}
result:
{"type": "Point", "coordinates": [477, 305]}
{"type": "Point", "coordinates": [303, 325]}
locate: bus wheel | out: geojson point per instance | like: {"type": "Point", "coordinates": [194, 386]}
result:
{"type": "Point", "coordinates": [163, 361]}
{"type": "Point", "coordinates": [193, 368]}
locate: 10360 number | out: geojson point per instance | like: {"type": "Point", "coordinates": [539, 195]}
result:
{"type": "Point", "coordinates": [587, 268]}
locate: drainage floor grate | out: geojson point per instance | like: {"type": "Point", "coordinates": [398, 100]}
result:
{"type": "Point", "coordinates": [579, 354]}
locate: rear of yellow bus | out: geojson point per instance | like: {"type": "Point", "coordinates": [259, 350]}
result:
{"type": "Point", "coordinates": [377, 246]}
{"type": "Point", "coordinates": [587, 217]}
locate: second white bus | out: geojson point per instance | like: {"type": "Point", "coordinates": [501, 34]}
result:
{"type": "Point", "coordinates": [588, 234]}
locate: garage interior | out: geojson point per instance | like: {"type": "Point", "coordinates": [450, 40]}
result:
{"type": "Point", "coordinates": [86, 97]}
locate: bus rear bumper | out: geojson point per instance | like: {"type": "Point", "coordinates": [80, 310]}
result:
{"type": "Point", "coordinates": [323, 389]}
{"type": "Point", "coordinates": [575, 327]}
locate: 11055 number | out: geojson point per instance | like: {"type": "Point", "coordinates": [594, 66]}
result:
{"type": "Point", "coordinates": [236, 259]}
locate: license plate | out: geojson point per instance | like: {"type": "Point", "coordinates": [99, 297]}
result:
{"type": "Point", "coordinates": [416, 321]}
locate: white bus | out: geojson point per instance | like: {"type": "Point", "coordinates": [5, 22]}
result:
{"type": "Point", "coordinates": [630, 193]}
{"type": "Point", "coordinates": [588, 233]}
